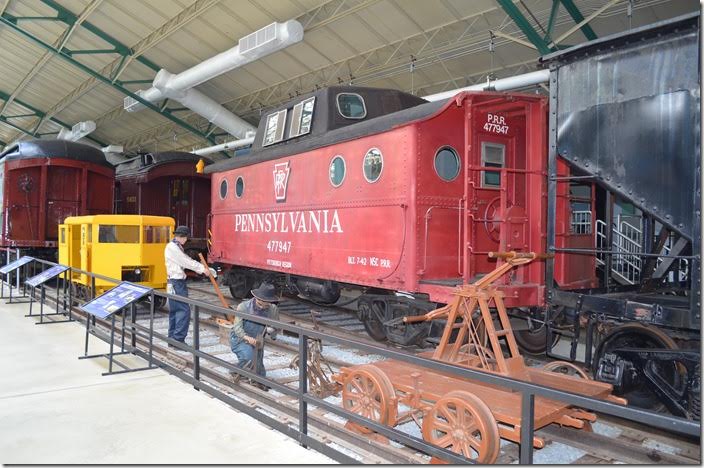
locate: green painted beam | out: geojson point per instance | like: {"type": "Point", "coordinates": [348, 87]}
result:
{"type": "Point", "coordinates": [515, 14]}
{"type": "Point", "coordinates": [71, 18]}
{"type": "Point", "coordinates": [38, 18]}
{"type": "Point", "coordinates": [7, 122]}
{"type": "Point", "coordinates": [551, 22]}
{"type": "Point", "coordinates": [39, 113]}
{"type": "Point", "coordinates": [106, 80]}
{"type": "Point", "coordinates": [91, 51]}
{"type": "Point", "coordinates": [578, 18]}
{"type": "Point", "coordinates": [128, 82]}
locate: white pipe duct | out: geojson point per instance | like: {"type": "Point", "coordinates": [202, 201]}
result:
{"type": "Point", "coordinates": [504, 84]}
{"type": "Point", "coordinates": [77, 132]}
{"type": "Point", "coordinates": [230, 145]}
{"type": "Point", "coordinates": [260, 43]}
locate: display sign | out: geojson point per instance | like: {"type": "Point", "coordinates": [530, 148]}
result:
{"type": "Point", "coordinates": [115, 299]}
{"type": "Point", "coordinates": [45, 275]}
{"type": "Point", "coordinates": [15, 265]}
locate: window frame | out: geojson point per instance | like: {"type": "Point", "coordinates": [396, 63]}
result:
{"type": "Point", "coordinates": [339, 111]}
{"type": "Point", "coordinates": [280, 125]}
{"type": "Point", "coordinates": [344, 173]}
{"type": "Point", "coordinates": [227, 188]}
{"type": "Point", "coordinates": [364, 174]}
{"type": "Point", "coordinates": [299, 121]}
{"type": "Point", "coordinates": [493, 144]}
{"type": "Point", "coordinates": [243, 187]}
{"type": "Point", "coordinates": [457, 157]}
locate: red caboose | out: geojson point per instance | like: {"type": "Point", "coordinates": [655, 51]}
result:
{"type": "Point", "coordinates": [166, 184]}
{"type": "Point", "coordinates": [381, 190]}
{"type": "Point", "coordinates": [46, 181]}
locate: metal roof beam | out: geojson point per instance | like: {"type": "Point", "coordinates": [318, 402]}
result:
{"type": "Point", "coordinates": [119, 46]}
{"type": "Point", "coordinates": [515, 14]}
{"type": "Point", "coordinates": [59, 43]}
{"type": "Point", "coordinates": [41, 114]}
{"type": "Point", "coordinates": [115, 69]}
{"type": "Point", "coordinates": [102, 78]}
{"type": "Point", "coordinates": [578, 18]}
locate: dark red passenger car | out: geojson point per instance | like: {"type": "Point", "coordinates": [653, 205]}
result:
{"type": "Point", "coordinates": [166, 184]}
{"type": "Point", "coordinates": [45, 181]}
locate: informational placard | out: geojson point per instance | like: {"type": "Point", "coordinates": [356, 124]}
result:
{"type": "Point", "coordinates": [115, 299]}
{"type": "Point", "coordinates": [15, 265]}
{"type": "Point", "coordinates": [45, 275]}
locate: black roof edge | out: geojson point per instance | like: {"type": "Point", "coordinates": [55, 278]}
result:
{"type": "Point", "coordinates": [643, 31]}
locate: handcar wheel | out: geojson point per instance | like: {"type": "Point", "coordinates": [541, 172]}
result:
{"type": "Point", "coordinates": [634, 335]}
{"type": "Point", "coordinates": [368, 392]}
{"type": "Point", "coordinates": [462, 423]}
{"type": "Point", "coordinates": [371, 322]}
{"type": "Point", "coordinates": [533, 341]}
{"type": "Point", "coordinates": [566, 368]}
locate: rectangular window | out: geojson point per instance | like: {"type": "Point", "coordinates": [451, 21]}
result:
{"type": "Point", "coordinates": [302, 117]}
{"type": "Point", "coordinates": [275, 124]}
{"type": "Point", "coordinates": [296, 120]}
{"type": "Point", "coordinates": [117, 234]}
{"type": "Point", "coordinates": [493, 155]}
{"type": "Point", "coordinates": [63, 236]}
{"type": "Point", "coordinates": [156, 234]}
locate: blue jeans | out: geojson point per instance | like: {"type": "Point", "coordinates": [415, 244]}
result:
{"type": "Point", "coordinates": [179, 312]}
{"type": "Point", "coordinates": [245, 351]}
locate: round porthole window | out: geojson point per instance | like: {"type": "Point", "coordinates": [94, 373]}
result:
{"type": "Point", "coordinates": [239, 187]}
{"type": "Point", "coordinates": [447, 163]}
{"type": "Point", "coordinates": [373, 165]}
{"type": "Point", "coordinates": [223, 189]}
{"type": "Point", "coordinates": [337, 171]}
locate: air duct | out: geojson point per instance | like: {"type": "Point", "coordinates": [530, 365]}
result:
{"type": "Point", "coordinates": [265, 41]}
{"type": "Point", "coordinates": [504, 84]}
{"type": "Point", "coordinates": [230, 145]}
{"type": "Point", "coordinates": [77, 132]}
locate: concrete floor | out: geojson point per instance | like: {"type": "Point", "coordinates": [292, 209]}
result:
{"type": "Point", "coordinates": [57, 409]}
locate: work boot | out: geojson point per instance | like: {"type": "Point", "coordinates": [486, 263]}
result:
{"type": "Point", "coordinates": [260, 386]}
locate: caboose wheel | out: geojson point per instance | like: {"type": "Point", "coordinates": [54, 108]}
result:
{"type": "Point", "coordinates": [368, 392]}
{"type": "Point", "coordinates": [372, 323]}
{"type": "Point", "coordinates": [567, 368]}
{"type": "Point", "coordinates": [462, 423]}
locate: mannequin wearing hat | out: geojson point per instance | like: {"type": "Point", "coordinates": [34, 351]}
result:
{"type": "Point", "coordinates": [244, 334]}
{"type": "Point", "coordinates": [176, 261]}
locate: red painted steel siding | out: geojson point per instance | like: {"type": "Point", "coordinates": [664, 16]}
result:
{"type": "Point", "coordinates": [423, 228]}
{"type": "Point", "coordinates": [372, 244]}
{"type": "Point", "coordinates": [40, 193]}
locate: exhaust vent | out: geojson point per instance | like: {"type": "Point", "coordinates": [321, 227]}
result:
{"type": "Point", "coordinates": [258, 38]}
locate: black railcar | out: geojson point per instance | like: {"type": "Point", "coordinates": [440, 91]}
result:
{"type": "Point", "coordinates": [625, 115]}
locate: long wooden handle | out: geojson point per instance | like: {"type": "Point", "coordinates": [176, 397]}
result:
{"type": "Point", "coordinates": [512, 254]}
{"type": "Point", "coordinates": [215, 283]}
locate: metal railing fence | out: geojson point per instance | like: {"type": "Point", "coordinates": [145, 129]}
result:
{"type": "Point", "coordinates": [527, 390]}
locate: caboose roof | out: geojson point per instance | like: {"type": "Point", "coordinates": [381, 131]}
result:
{"type": "Point", "coordinates": [385, 109]}
{"type": "Point", "coordinates": [55, 149]}
{"type": "Point", "coordinates": [144, 163]}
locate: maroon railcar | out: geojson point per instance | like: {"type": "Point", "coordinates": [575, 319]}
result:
{"type": "Point", "coordinates": [382, 190]}
{"type": "Point", "coordinates": [46, 181]}
{"type": "Point", "coordinates": [166, 184]}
